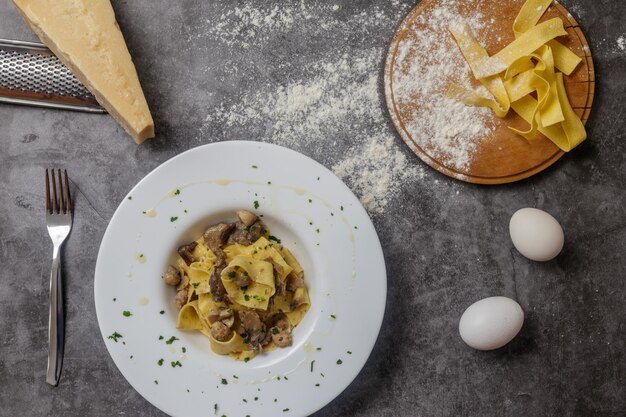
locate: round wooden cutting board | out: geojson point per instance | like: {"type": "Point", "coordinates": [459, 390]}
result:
{"type": "Point", "coordinates": [501, 156]}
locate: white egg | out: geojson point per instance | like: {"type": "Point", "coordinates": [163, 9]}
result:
{"type": "Point", "coordinates": [536, 234]}
{"type": "Point", "coordinates": [491, 323]}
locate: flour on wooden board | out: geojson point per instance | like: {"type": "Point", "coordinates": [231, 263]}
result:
{"type": "Point", "coordinates": [446, 129]}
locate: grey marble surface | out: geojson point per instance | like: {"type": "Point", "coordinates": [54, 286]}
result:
{"type": "Point", "coordinates": [443, 253]}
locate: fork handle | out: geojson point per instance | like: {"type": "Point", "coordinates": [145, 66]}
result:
{"type": "Point", "coordinates": [56, 325]}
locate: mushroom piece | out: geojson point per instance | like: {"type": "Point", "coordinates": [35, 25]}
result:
{"type": "Point", "coordinates": [257, 336]}
{"type": "Point", "coordinates": [240, 235]}
{"type": "Point", "coordinates": [172, 276]}
{"type": "Point", "coordinates": [186, 252]}
{"type": "Point", "coordinates": [181, 298]}
{"type": "Point", "coordinates": [246, 217]}
{"type": "Point", "coordinates": [221, 332]}
{"type": "Point", "coordinates": [221, 314]}
{"type": "Point", "coordinates": [294, 282]}
{"type": "Point", "coordinates": [214, 314]}
{"type": "Point", "coordinates": [250, 321]}
{"type": "Point", "coordinates": [246, 235]}
{"type": "Point", "coordinates": [255, 231]}
{"type": "Point", "coordinates": [281, 333]}
{"type": "Point", "coordinates": [216, 236]}
{"type": "Point", "coordinates": [241, 279]}
{"type": "Point", "coordinates": [229, 321]}
{"type": "Point", "coordinates": [221, 257]}
{"type": "Point", "coordinates": [216, 286]}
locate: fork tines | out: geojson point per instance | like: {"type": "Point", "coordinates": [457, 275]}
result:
{"type": "Point", "coordinates": [62, 203]}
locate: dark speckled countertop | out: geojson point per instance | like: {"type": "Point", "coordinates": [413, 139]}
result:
{"type": "Point", "coordinates": [442, 253]}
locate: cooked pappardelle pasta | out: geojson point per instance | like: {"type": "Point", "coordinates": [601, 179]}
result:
{"type": "Point", "coordinates": [240, 287]}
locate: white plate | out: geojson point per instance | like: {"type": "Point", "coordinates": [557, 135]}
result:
{"type": "Point", "coordinates": [314, 214]}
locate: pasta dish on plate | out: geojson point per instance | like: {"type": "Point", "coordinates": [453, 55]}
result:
{"type": "Point", "coordinates": [240, 287]}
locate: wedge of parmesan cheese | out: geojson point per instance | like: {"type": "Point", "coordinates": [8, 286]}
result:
{"type": "Point", "coordinates": [87, 39]}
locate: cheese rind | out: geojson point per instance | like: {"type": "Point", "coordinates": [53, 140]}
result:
{"type": "Point", "coordinates": [85, 36]}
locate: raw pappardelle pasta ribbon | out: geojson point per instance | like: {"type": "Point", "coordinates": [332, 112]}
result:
{"type": "Point", "coordinates": [526, 66]}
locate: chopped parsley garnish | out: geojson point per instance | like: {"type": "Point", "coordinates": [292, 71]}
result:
{"type": "Point", "coordinates": [310, 201]}
{"type": "Point", "coordinates": [341, 208]}
{"type": "Point", "coordinates": [115, 336]}
{"type": "Point", "coordinates": [246, 297]}
{"type": "Point", "coordinates": [275, 399]}
{"type": "Point", "coordinates": [156, 382]}
{"type": "Point", "coordinates": [318, 349]}
{"type": "Point", "coordinates": [176, 363]}
{"type": "Point", "coordinates": [141, 255]}
{"type": "Point", "coordinates": [317, 230]}
{"type": "Point", "coordinates": [355, 227]}
{"type": "Point", "coordinates": [224, 381]}
{"type": "Point", "coordinates": [232, 274]}
{"type": "Point", "coordinates": [349, 353]}
{"type": "Point", "coordinates": [244, 400]}
{"type": "Point", "coordinates": [285, 410]}
{"type": "Point", "coordinates": [339, 361]}
{"type": "Point", "coordinates": [127, 313]}
{"type": "Point", "coordinates": [274, 330]}
{"type": "Point", "coordinates": [312, 363]}
{"type": "Point", "coordinates": [332, 316]}
{"type": "Point", "coordinates": [317, 385]}
{"type": "Point", "coordinates": [318, 178]}
{"type": "Point", "coordinates": [195, 284]}
{"type": "Point", "coordinates": [254, 166]}
{"type": "Point", "coordinates": [246, 360]}
{"type": "Point", "coordinates": [256, 398]}
{"type": "Point", "coordinates": [269, 182]}
{"type": "Point", "coordinates": [162, 312]}
{"type": "Point", "coordinates": [115, 299]}
{"type": "Point", "coordinates": [171, 340]}
{"type": "Point", "coordinates": [173, 219]}
{"type": "Point", "coordinates": [185, 211]}
{"type": "Point", "coordinates": [215, 408]}
{"type": "Point", "coordinates": [184, 349]}
{"type": "Point", "coordinates": [274, 238]}
{"type": "Point", "coordinates": [161, 338]}
{"type": "Point", "coordinates": [235, 376]}
{"type": "Point", "coordinates": [131, 356]}
{"type": "Point", "coordinates": [177, 192]}
{"type": "Point", "coordinates": [160, 362]}
{"type": "Point", "coordinates": [256, 204]}
{"type": "Point", "coordinates": [130, 197]}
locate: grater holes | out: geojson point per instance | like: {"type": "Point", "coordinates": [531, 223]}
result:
{"type": "Point", "coordinates": [39, 74]}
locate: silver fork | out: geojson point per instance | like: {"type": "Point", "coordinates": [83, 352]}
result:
{"type": "Point", "coordinates": [59, 219]}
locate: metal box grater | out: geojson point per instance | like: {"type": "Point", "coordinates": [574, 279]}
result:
{"type": "Point", "coordinates": [30, 74]}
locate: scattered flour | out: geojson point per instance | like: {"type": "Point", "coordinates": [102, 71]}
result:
{"type": "Point", "coordinates": [621, 43]}
{"type": "Point", "coordinates": [337, 98]}
{"type": "Point", "coordinates": [427, 62]}
{"type": "Point", "coordinates": [244, 25]}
